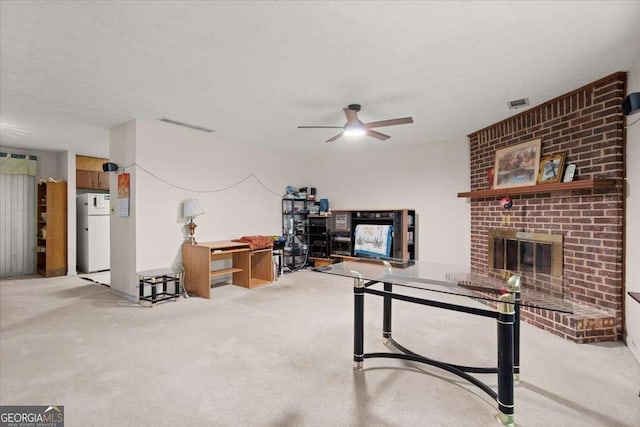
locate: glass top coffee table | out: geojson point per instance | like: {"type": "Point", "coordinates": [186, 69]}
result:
{"type": "Point", "coordinates": [502, 292]}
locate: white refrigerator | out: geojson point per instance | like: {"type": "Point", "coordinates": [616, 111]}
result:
{"type": "Point", "coordinates": [93, 232]}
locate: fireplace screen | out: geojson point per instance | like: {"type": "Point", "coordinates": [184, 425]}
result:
{"type": "Point", "coordinates": [525, 252]}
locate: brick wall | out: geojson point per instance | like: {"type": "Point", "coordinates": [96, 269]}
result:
{"type": "Point", "coordinates": [587, 124]}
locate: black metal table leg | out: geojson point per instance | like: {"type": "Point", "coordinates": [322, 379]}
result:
{"type": "Point", "coordinates": [358, 321]}
{"type": "Point", "coordinates": [506, 320]}
{"type": "Point", "coordinates": [386, 314]}
{"type": "Point", "coordinates": [513, 286]}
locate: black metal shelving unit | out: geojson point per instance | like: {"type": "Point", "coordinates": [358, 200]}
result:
{"type": "Point", "coordinates": [295, 228]}
{"type": "Point", "coordinates": [319, 238]}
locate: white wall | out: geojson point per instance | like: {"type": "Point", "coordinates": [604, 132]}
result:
{"type": "Point", "coordinates": [122, 231]}
{"type": "Point", "coordinates": [169, 156]}
{"type": "Point", "coordinates": [632, 262]}
{"type": "Point", "coordinates": [425, 177]}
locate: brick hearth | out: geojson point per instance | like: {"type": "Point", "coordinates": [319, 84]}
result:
{"type": "Point", "coordinates": [588, 125]}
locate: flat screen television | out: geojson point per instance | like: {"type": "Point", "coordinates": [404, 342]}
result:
{"type": "Point", "coordinates": [373, 240]}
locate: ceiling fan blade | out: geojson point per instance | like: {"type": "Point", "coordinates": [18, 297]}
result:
{"type": "Point", "coordinates": [390, 122]}
{"type": "Point", "coordinates": [377, 135]}
{"type": "Point", "coordinates": [334, 138]}
{"type": "Point", "coordinates": [319, 127]}
{"type": "Point", "coordinates": [351, 115]}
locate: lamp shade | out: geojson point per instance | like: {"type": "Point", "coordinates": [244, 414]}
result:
{"type": "Point", "coordinates": [191, 208]}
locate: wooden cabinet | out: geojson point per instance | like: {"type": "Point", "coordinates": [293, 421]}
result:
{"type": "Point", "coordinates": [92, 180]}
{"type": "Point", "coordinates": [103, 180]}
{"type": "Point", "coordinates": [344, 225]}
{"type": "Point", "coordinates": [89, 173]}
{"type": "Point", "coordinates": [51, 247]}
{"type": "Point", "coordinates": [84, 179]}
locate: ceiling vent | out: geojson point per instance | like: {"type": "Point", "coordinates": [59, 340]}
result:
{"type": "Point", "coordinates": [187, 125]}
{"type": "Point", "coordinates": [518, 103]}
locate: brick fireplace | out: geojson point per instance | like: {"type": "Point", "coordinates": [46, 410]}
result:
{"type": "Point", "coordinates": [588, 125]}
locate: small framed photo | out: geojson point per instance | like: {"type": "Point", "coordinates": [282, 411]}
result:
{"type": "Point", "coordinates": [551, 168]}
{"type": "Point", "coordinates": [569, 172]}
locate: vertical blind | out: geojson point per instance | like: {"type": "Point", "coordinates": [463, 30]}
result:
{"type": "Point", "coordinates": [17, 216]}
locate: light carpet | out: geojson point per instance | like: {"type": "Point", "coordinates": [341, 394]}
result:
{"type": "Point", "coordinates": [281, 355]}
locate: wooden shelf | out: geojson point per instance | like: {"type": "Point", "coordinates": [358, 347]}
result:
{"type": "Point", "coordinates": [224, 271]}
{"type": "Point", "coordinates": [583, 184]}
{"type": "Point", "coordinates": [53, 261]}
{"type": "Point", "coordinates": [258, 282]}
{"type": "Point", "coordinates": [215, 253]}
{"type": "Point", "coordinates": [257, 251]}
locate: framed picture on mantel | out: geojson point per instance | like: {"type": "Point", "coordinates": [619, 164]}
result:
{"type": "Point", "coordinates": [551, 168]}
{"type": "Point", "coordinates": [518, 165]}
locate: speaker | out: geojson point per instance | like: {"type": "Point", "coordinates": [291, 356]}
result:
{"type": "Point", "coordinates": [312, 194]}
{"type": "Point", "coordinates": [109, 167]}
{"type": "Point", "coordinates": [631, 104]}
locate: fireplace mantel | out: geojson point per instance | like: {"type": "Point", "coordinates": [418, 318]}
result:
{"type": "Point", "coordinates": [583, 184]}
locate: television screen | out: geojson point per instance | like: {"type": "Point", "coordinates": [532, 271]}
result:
{"type": "Point", "coordinates": [373, 240]}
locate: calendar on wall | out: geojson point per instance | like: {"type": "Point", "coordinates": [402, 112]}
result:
{"type": "Point", "coordinates": [123, 193]}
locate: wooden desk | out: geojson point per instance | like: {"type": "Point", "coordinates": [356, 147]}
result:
{"type": "Point", "coordinates": [249, 269]}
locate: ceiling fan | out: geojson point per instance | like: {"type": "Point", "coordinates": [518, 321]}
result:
{"type": "Point", "coordinates": [354, 127]}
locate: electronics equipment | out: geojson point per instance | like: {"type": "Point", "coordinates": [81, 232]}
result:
{"type": "Point", "coordinates": [631, 104]}
{"type": "Point", "coordinates": [324, 205]}
{"type": "Point", "coordinates": [109, 167]}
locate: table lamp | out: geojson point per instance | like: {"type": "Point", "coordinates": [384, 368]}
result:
{"type": "Point", "coordinates": [190, 209]}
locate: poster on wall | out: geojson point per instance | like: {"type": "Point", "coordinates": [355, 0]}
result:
{"type": "Point", "coordinates": [123, 194]}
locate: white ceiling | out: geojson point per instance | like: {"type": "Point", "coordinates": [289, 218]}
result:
{"type": "Point", "coordinates": [253, 71]}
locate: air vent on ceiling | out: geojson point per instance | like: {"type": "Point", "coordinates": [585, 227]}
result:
{"type": "Point", "coordinates": [518, 103]}
{"type": "Point", "coordinates": [187, 125]}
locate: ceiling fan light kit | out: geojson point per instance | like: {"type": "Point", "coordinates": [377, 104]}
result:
{"type": "Point", "coordinates": [354, 127]}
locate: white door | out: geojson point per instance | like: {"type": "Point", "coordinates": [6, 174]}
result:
{"type": "Point", "coordinates": [98, 245]}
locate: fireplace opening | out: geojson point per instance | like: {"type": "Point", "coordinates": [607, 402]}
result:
{"type": "Point", "coordinates": [518, 251]}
